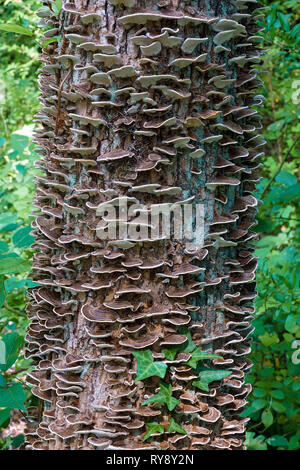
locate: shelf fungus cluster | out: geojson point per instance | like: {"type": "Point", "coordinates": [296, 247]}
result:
{"type": "Point", "coordinates": [149, 102]}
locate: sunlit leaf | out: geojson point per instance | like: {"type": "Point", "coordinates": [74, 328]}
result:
{"type": "Point", "coordinates": [153, 428]}
{"type": "Point", "coordinates": [12, 397]}
{"type": "Point", "coordinates": [208, 376]}
{"type": "Point", "coordinates": [15, 28]}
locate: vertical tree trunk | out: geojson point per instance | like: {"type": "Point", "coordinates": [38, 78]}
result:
{"type": "Point", "coordinates": [147, 100]}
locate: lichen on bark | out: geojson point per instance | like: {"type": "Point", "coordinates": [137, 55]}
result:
{"type": "Point", "coordinates": [151, 101]}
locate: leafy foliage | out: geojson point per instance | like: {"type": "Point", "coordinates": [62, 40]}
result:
{"type": "Point", "coordinates": [274, 404]}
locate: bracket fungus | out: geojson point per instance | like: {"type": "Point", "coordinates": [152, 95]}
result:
{"type": "Point", "coordinates": [144, 104]}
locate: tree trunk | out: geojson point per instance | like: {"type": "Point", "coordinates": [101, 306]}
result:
{"type": "Point", "coordinates": [151, 101]}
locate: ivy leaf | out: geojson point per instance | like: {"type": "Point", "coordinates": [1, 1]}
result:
{"type": "Point", "coordinates": [15, 28]}
{"type": "Point", "coordinates": [153, 428]}
{"type": "Point", "coordinates": [174, 427]}
{"type": "Point", "coordinates": [164, 396]}
{"type": "Point", "coordinates": [208, 376]}
{"type": "Point", "coordinates": [14, 265]}
{"type": "Point", "coordinates": [13, 397]}
{"type": "Point", "coordinates": [2, 291]}
{"type": "Point", "coordinates": [199, 355]}
{"type": "Point", "coordinates": [276, 441]}
{"type": "Point", "coordinates": [146, 367]}
{"type": "Point", "coordinates": [267, 418]}
{"type": "Point", "coordinates": [12, 343]}
{"type": "Point", "coordinates": [57, 6]}
{"type": "Point", "coordinates": [278, 406]}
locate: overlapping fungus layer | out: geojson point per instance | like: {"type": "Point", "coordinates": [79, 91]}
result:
{"type": "Point", "coordinates": [145, 102]}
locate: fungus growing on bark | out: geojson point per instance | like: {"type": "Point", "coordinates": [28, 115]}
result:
{"type": "Point", "coordinates": [151, 104]}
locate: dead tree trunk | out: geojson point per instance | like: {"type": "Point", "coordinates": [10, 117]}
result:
{"type": "Point", "coordinates": [145, 102]}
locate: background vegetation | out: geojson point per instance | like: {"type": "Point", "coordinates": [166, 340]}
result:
{"type": "Point", "coordinates": [274, 403]}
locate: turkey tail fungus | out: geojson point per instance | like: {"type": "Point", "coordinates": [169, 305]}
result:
{"type": "Point", "coordinates": [142, 342]}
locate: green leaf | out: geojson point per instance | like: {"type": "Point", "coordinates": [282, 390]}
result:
{"type": "Point", "coordinates": [286, 178]}
{"type": "Point", "coordinates": [15, 283]}
{"type": "Point", "coordinates": [188, 346]}
{"type": "Point", "coordinates": [170, 353]}
{"type": "Point", "coordinates": [4, 416]}
{"type": "Point", "coordinates": [199, 355]}
{"type": "Point", "coordinates": [258, 404]}
{"type": "Point", "coordinates": [289, 194]}
{"type": "Point", "coordinates": [267, 418]}
{"type": "Point", "coordinates": [146, 367]}
{"type": "Point", "coordinates": [290, 322]}
{"type": "Point", "coordinates": [8, 227]}
{"type": "Point", "coordinates": [2, 352]}
{"type": "Point", "coordinates": [50, 41]}
{"type": "Point", "coordinates": [174, 427]}
{"type": "Point", "coordinates": [3, 247]}
{"type": "Point", "coordinates": [14, 265]}
{"type": "Point", "coordinates": [276, 441]}
{"type": "Point", "coordinates": [278, 394]}
{"type": "Point", "coordinates": [2, 291]}
{"type": "Point", "coordinates": [22, 238]}
{"type": "Point", "coordinates": [2, 381]}
{"type": "Point", "coordinates": [284, 21]}
{"type": "Point", "coordinates": [208, 376]}
{"type": "Point", "coordinates": [13, 342]}
{"type": "Point", "coordinates": [276, 126]}
{"type": "Point", "coordinates": [255, 443]}
{"type": "Point", "coordinates": [15, 28]}
{"type": "Point", "coordinates": [163, 396]}
{"type": "Point", "coordinates": [153, 428]}
{"type": "Point", "coordinates": [13, 397]}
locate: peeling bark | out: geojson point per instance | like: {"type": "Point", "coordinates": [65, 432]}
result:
{"type": "Point", "coordinates": [149, 100]}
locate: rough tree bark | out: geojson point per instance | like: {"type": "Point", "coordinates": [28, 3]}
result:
{"type": "Point", "coordinates": [150, 100]}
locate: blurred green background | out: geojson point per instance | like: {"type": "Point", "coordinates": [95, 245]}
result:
{"type": "Point", "coordinates": [274, 403]}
